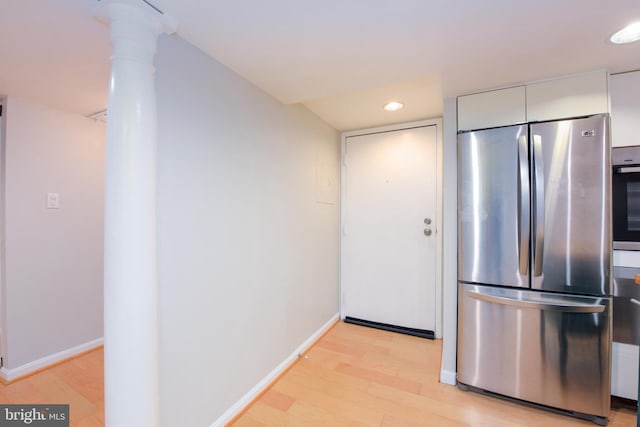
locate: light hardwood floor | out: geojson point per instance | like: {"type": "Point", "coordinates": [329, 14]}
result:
{"type": "Point", "coordinates": [353, 376]}
{"type": "Point", "coordinates": [78, 382]}
{"type": "Point", "coordinates": [356, 376]}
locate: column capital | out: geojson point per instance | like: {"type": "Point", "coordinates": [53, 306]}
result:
{"type": "Point", "coordinates": [134, 27]}
{"type": "Point", "coordinates": [142, 11]}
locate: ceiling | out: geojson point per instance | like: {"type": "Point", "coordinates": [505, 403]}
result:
{"type": "Point", "coordinates": [343, 59]}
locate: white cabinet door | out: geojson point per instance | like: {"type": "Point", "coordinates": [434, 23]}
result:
{"type": "Point", "coordinates": [388, 262]}
{"type": "Point", "coordinates": [501, 107]}
{"type": "Point", "coordinates": [624, 370]}
{"type": "Point", "coordinates": [625, 109]}
{"type": "Point", "coordinates": [575, 96]}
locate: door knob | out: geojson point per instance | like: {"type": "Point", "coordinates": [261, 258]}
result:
{"type": "Point", "coordinates": [427, 232]}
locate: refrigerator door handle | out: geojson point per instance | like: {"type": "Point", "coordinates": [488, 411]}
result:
{"type": "Point", "coordinates": [565, 306]}
{"type": "Point", "coordinates": [538, 222]}
{"type": "Point", "coordinates": [524, 205]}
{"type": "Point", "coordinates": [635, 301]}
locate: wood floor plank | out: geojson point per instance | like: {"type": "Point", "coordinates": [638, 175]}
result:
{"type": "Point", "coordinates": [363, 334]}
{"type": "Point", "coordinates": [327, 381]}
{"type": "Point", "coordinates": [345, 407]}
{"type": "Point", "coordinates": [266, 414]}
{"type": "Point", "coordinates": [447, 412]}
{"type": "Point", "coordinates": [94, 420]}
{"type": "Point", "coordinates": [56, 390]}
{"type": "Point", "coordinates": [22, 392]}
{"type": "Point", "coordinates": [377, 377]}
{"type": "Point", "coordinates": [249, 421]}
{"type": "Point", "coordinates": [77, 382]}
{"type": "Point", "coordinates": [391, 421]}
{"type": "Point", "coordinates": [306, 414]}
{"type": "Point", "coordinates": [353, 390]}
{"type": "Point", "coordinates": [341, 348]}
{"type": "Point", "coordinates": [278, 400]}
{"type": "Point", "coordinates": [622, 417]}
{"type": "Point", "coordinates": [375, 361]}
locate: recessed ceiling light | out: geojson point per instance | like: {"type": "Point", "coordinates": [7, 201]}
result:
{"type": "Point", "coordinates": [393, 106]}
{"type": "Point", "coordinates": [628, 34]}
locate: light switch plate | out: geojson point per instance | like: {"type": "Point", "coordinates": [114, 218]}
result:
{"type": "Point", "coordinates": [53, 201]}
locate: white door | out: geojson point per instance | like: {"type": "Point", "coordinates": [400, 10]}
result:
{"type": "Point", "coordinates": [389, 230]}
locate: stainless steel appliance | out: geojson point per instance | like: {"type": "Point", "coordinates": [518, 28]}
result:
{"type": "Point", "coordinates": [626, 330]}
{"type": "Point", "coordinates": [626, 316]}
{"type": "Point", "coordinates": [534, 261]}
{"type": "Point", "coordinates": [626, 197]}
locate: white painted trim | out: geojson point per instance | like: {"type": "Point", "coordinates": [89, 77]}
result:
{"type": "Point", "coordinates": [439, 223]}
{"type": "Point", "coordinates": [450, 232]}
{"type": "Point", "coordinates": [11, 374]}
{"type": "Point", "coordinates": [237, 407]}
{"type": "Point", "coordinates": [448, 377]}
{"type": "Point", "coordinates": [343, 218]}
{"type": "Point", "coordinates": [626, 258]}
{"type": "Point", "coordinates": [439, 197]}
{"type": "Point", "coordinates": [3, 291]}
{"type": "Point", "coordinates": [624, 370]}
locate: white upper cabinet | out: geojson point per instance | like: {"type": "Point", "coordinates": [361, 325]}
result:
{"type": "Point", "coordinates": [491, 109]}
{"type": "Point", "coordinates": [566, 97]}
{"type": "Point", "coordinates": [625, 109]}
{"type": "Point", "coordinates": [575, 96]}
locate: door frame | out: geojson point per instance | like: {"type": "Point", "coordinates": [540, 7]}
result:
{"type": "Point", "coordinates": [3, 290]}
{"type": "Point", "coordinates": [439, 209]}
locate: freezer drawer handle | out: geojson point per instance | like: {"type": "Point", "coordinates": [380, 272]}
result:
{"type": "Point", "coordinates": [559, 306]}
{"type": "Point", "coordinates": [635, 301]}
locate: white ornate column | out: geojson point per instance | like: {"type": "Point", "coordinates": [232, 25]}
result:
{"type": "Point", "coordinates": [130, 260]}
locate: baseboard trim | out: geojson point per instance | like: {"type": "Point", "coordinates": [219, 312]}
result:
{"type": "Point", "coordinates": [448, 377]}
{"type": "Point", "coordinates": [241, 405]}
{"type": "Point", "coordinates": [10, 375]}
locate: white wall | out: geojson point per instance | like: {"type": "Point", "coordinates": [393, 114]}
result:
{"type": "Point", "coordinates": [450, 244]}
{"type": "Point", "coordinates": [52, 299]}
{"type": "Point", "coordinates": [248, 260]}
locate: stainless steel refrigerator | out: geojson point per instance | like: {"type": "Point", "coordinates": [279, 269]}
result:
{"type": "Point", "coordinates": [534, 264]}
